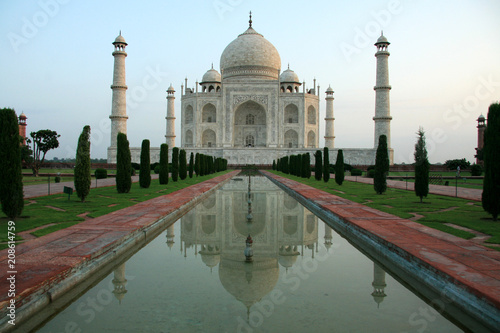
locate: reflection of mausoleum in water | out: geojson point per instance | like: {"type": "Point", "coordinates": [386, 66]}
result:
{"type": "Point", "coordinates": [281, 229]}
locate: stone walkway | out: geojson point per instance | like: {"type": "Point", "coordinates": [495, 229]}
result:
{"type": "Point", "coordinates": [470, 269]}
{"type": "Point", "coordinates": [463, 192]}
{"type": "Point", "coordinates": [44, 266]}
{"type": "Point", "coordinates": [39, 190]}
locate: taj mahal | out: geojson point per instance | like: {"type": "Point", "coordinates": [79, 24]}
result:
{"type": "Point", "coordinates": [252, 112]}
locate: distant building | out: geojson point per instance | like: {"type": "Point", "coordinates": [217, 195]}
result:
{"type": "Point", "coordinates": [481, 126]}
{"type": "Point", "coordinates": [22, 127]}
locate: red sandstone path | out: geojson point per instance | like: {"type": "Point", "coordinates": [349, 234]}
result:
{"type": "Point", "coordinates": [463, 192]}
{"type": "Point", "coordinates": [39, 190]}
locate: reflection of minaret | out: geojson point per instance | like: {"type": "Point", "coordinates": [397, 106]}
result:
{"type": "Point", "coordinates": [119, 282]}
{"type": "Point", "coordinates": [170, 236]}
{"type": "Point", "coordinates": [378, 284]}
{"type": "Point", "coordinates": [328, 237]}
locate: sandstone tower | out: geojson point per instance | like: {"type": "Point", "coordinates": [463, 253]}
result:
{"type": "Point", "coordinates": [382, 88]}
{"type": "Point", "coordinates": [170, 135]}
{"type": "Point", "coordinates": [119, 101]}
{"type": "Point", "coordinates": [481, 126]}
{"type": "Point", "coordinates": [329, 137]}
{"type": "Point", "coordinates": [22, 127]}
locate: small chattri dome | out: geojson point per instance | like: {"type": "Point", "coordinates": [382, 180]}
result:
{"type": "Point", "coordinates": [329, 90]}
{"type": "Point", "coordinates": [23, 116]}
{"type": "Point", "coordinates": [120, 39]}
{"type": "Point", "coordinates": [481, 118]}
{"type": "Point", "coordinates": [289, 76]}
{"type": "Point", "coordinates": [382, 40]}
{"type": "Point", "coordinates": [211, 76]}
{"type": "Point", "coordinates": [171, 88]}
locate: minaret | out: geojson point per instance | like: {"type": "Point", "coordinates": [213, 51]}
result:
{"type": "Point", "coordinates": [22, 127]}
{"type": "Point", "coordinates": [382, 88]}
{"type": "Point", "coordinates": [329, 137]}
{"type": "Point", "coordinates": [481, 126]}
{"type": "Point", "coordinates": [170, 136]}
{"type": "Point", "coordinates": [119, 102]}
{"type": "Point", "coordinates": [378, 284]}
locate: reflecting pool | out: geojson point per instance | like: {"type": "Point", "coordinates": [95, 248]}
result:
{"type": "Point", "coordinates": [304, 277]}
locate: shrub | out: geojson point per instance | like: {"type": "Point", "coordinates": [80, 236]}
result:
{"type": "Point", "coordinates": [370, 173]}
{"type": "Point", "coordinates": [356, 172]}
{"type": "Point", "coordinates": [82, 166]}
{"type": "Point", "coordinates": [124, 169]}
{"type": "Point", "coordinates": [145, 172]}
{"type": "Point", "coordinates": [339, 167]}
{"type": "Point", "coordinates": [175, 164]}
{"type": "Point", "coordinates": [476, 170]}
{"type": "Point", "coordinates": [57, 179]}
{"type": "Point", "coordinates": [136, 166]}
{"type": "Point", "coordinates": [157, 169]}
{"type": "Point", "coordinates": [381, 166]}
{"type": "Point", "coordinates": [182, 164]}
{"type": "Point", "coordinates": [101, 173]}
{"type": "Point", "coordinates": [163, 178]}
{"type": "Point", "coordinates": [326, 165]}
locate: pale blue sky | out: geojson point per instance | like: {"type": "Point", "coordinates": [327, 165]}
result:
{"type": "Point", "coordinates": [57, 65]}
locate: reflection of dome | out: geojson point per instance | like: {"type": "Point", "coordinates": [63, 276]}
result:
{"type": "Point", "coordinates": [210, 255]}
{"type": "Point", "coordinates": [249, 282]}
{"type": "Point", "coordinates": [289, 76]}
{"type": "Point", "coordinates": [288, 256]}
{"type": "Point", "coordinates": [211, 76]}
{"type": "Point", "coordinates": [250, 55]}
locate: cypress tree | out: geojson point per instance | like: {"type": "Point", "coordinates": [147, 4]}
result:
{"type": "Point", "coordinates": [308, 165]}
{"type": "Point", "coordinates": [491, 183]}
{"type": "Point", "coordinates": [182, 164]}
{"type": "Point", "coordinates": [11, 181]}
{"type": "Point", "coordinates": [123, 164]}
{"type": "Point", "coordinates": [175, 164]}
{"type": "Point", "coordinates": [286, 165]}
{"type": "Point", "coordinates": [82, 165]}
{"type": "Point", "coordinates": [145, 170]}
{"type": "Point", "coordinates": [339, 167]}
{"type": "Point", "coordinates": [381, 166]}
{"type": "Point", "coordinates": [274, 164]}
{"type": "Point", "coordinates": [421, 166]}
{"type": "Point", "coordinates": [318, 165]}
{"type": "Point", "coordinates": [326, 165]}
{"type": "Point", "coordinates": [197, 164]}
{"type": "Point", "coordinates": [163, 176]}
{"type": "Point", "coordinates": [191, 165]}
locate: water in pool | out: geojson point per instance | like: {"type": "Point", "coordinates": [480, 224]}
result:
{"type": "Point", "coordinates": [304, 277]}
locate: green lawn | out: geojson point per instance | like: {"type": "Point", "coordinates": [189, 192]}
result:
{"type": "Point", "coordinates": [437, 210]}
{"type": "Point", "coordinates": [31, 180]}
{"type": "Point", "coordinates": [101, 201]}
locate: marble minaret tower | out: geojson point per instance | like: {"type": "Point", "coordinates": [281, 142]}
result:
{"type": "Point", "coordinates": [382, 88]}
{"type": "Point", "coordinates": [170, 136]}
{"type": "Point", "coordinates": [329, 137]}
{"type": "Point", "coordinates": [119, 100]}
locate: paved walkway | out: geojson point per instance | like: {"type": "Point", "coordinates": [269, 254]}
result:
{"type": "Point", "coordinates": [44, 266]}
{"type": "Point", "coordinates": [463, 192]}
{"type": "Point", "coordinates": [39, 190]}
{"type": "Point", "coordinates": [472, 270]}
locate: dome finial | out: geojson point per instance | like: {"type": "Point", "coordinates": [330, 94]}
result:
{"type": "Point", "coordinates": [120, 32]}
{"type": "Point", "coordinates": [250, 21]}
{"type": "Point", "coordinates": [212, 65]}
{"type": "Point", "coordinates": [288, 65]}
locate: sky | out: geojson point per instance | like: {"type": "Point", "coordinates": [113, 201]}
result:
{"type": "Point", "coordinates": [444, 67]}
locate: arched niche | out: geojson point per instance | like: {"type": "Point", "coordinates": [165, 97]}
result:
{"type": "Point", "coordinates": [250, 122]}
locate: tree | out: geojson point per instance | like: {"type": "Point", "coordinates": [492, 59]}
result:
{"type": "Point", "coordinates": [326, 165]}
{"type": "Point", "coordinates": [175, 164]}
{"type": "Point", "coordinates": [453, 164]}
{"type": "Point", "coordinates": [421, 166]}
{"type": "Point", "coordinates": [318, 165]}
{"type": "Point", "coordinates": [381, 166]}
{"type": "Point", "coordinates": [491, 183]}
{"type": "Point", "coordinates": [339, 168]}
{"type": "Point", "coordinates": [163, 176]}
{"type": "Point", "coordinates": [82, 172]}
{"type": "Point", "coordinates": [43, 141]}
{"type": "Point", "coordinates": [191, 165]}
{"type": "Point", "coordinates": [145, 170]}
{"type": "Point", "coordinates": [306, 165]}
{"type": "Point", "coordinates": [182, 164]}
{"type": "Point", "coordinates": [123, 164]}
{"type": "Point", "coordinates": [11, 181]}
{"type": "Point", "coordinates": [197, 164]}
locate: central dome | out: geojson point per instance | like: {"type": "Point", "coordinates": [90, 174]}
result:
{"type": "Point", "coordinates": [250, 55]}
